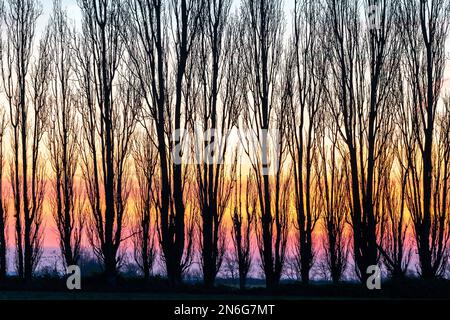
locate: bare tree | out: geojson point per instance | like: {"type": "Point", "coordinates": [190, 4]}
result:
{"type": "Point", "coordinates": [334, 197]}
{"type": "Point", "coordinates": [396, 252]}
{"type": "Point", "coordinates": [63, 134]}
{"type": "Point", "coordinates": [305, 90]}
{"type": "Point", "coordinates": [145, 162]}
{"type": "Point", "coordinates": [264, 112]}
{"type": "Point", "coordinates": [109, 108]}
{"type": "Point", "coordinates": [40, 80]}
{"type": "Point", "coordinates": [20, 21]}
{"type": "Point", "coordinates": [363, 60]}
{"type": "Point", "coordinates": [166, 111]}
{"type": "Point", "coordinates": [3, 206]}
{"type": "Point", "coordinates": [243, 218]}
{"type": "Point", "coordinates": [425, 29]}
{"type": "Point", "coordinates": [215, 114]}
{"type": "Point", "coordinates": [185, 28]}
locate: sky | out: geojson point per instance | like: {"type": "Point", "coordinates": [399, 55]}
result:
{"type": "Point", "coordinates": [74, 14]}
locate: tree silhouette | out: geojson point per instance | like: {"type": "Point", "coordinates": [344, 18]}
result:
{"type": "Point", "coordinates": [262, 35]}
{"type": "Point", "coordinates": [145, 162]}
{"type": "Point", "coordinates": [424, 34]}
{"type": "Point", "coordinates": [167, 111]}
{"type": "Point", "coordinates": [3, 207]}
{"type": "Point", "coordinates": [395, 251]}
{"type": "Point", "coordinates": [363, 60]}
{"type": "Point", "coordinates": [63, 135]}
{"type": "Point", "coordinates": [109, 108]}
{"type": "Point", "coordinates": [305, 90]}
{"type": "Point", "coordinates": [243, 217]}
{"type": "Point", "coordinates": [19, 75]}
{"type": "Point", "coordinates": [332, 181]}
{"type": "Point", "coordinates": [215, 112]}
{"type": "Point", "coordinates": [342, 117]}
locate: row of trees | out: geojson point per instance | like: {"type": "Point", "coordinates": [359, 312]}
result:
{"type": "Point", "coordinates": [344, 100]}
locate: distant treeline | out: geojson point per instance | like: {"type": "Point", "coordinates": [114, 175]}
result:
{"type": "Point", "coordinates": [342, 161]}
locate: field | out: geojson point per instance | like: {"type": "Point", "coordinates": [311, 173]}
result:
{"type": "Point", "coordinates": [157, 289]}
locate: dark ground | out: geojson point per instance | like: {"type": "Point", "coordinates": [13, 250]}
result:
{"type": "Point", "coordinates": [158, 289]}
